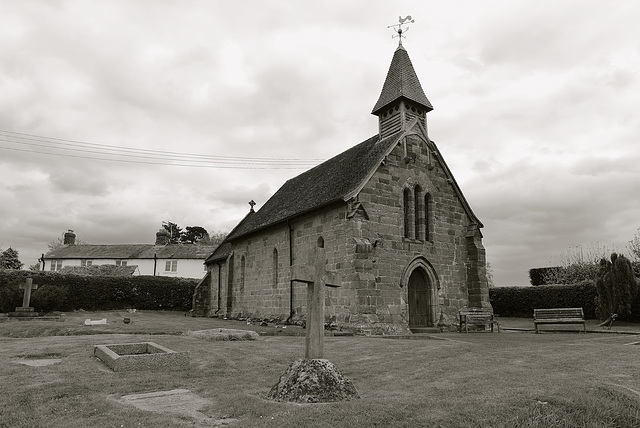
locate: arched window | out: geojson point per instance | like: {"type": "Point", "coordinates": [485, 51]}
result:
{"type": "Point", "coordinates": [427, 216]}
{"type": "Point", "coordinates": [406, 202]}
{"type": "Point", "coordinates": [417, 210]}
{"type": "Point", "coordinates": [320, 242]}
{"type": "Point", "coordinates": [275, 267]}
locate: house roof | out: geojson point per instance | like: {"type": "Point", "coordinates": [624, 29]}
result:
{"type": "Point", "coordinates": [132, 251]}
{"type": "Point", "coordinates": [401, 82]}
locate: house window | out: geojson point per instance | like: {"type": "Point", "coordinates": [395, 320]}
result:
{"type": "Point", "coordinates": [85, 263]}
{"type": "Point", "coordinates": [121, 262]}
{"type": "Point", "coordinates": [171, 266]}
{"type": "Point", "coordinates": [56, 265]}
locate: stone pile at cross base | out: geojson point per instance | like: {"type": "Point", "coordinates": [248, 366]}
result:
{"type": "Point", "coordinates": [313, 381]}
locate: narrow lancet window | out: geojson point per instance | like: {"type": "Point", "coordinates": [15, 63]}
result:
{"type": "Point", "coordinates": [427, 216]}
{"type": "Point", "coordinates": [242, 273]}
{"type": "Point", "coordinates": [275, 267]}
{"type": "Point", "coordinates": [418, 218]}
{"type": "Point", "coordinates": [406, 201]}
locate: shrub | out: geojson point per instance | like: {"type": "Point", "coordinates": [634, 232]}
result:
{"type": "Point", "coordinates": [68, 292]}
{"type": "Point", "coordinates": [10, 297]}
{"type": "Point", "coordinates": [521, 301]}
{"type": "Point", "coordinates": [49, 298]}
{"type": "Point", "coordinates": [617, 287]}
{"type": "Point", "coordinates": [570, 274]}
{"type": "Point", "coordinates": [537, 276]}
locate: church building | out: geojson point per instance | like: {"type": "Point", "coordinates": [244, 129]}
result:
{"type": "Point", "coordinates": [392, 219]}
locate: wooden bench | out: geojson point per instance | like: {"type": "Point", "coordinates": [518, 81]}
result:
{"type": "Point", "coordinates": [477, 317]}
{"type": "Point", "coordinates": [559, 316]}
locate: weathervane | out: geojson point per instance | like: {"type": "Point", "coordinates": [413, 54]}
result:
{"type": "Point", "coordinates": [398, 27]}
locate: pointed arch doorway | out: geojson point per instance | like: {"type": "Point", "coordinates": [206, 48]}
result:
{"type": "Point", "coordinates": [419, 300]}
{"type": "Point", "coordinates": [421, 284]}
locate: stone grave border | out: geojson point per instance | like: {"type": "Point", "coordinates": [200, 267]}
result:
{"type": "Point", "coordinates": [141, 356]}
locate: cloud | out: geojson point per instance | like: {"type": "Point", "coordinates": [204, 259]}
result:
{"type": "Point", "coordinates": [535, 112]}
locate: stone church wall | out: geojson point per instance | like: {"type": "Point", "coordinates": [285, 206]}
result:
{"type": "Point", "coordinates": [446, 249]}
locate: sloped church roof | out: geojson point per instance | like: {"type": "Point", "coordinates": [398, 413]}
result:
{"type": "Point", "coordinates": [328, 182]}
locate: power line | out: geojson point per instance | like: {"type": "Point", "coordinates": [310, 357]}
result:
{"type": "Point", "coordinates": [71, 148]}
{"type": "Point", "coordinates": [160, 163]}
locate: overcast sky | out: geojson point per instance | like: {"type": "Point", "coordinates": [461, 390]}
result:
{"type": "Point", "coordinates": [536, 111]}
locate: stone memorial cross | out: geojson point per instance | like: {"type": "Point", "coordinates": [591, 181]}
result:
{"type": "Point", "coordinates": [27, 287]}
{"type": "Point", "coordinates": [316, 277]}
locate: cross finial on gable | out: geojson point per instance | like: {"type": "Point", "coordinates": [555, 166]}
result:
{"type": "Point", "coordinates": [251, 203]}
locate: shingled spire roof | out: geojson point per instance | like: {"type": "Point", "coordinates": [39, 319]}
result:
{"type": "Point", "coordinates": [402, 81]}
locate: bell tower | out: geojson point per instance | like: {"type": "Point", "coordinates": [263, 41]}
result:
{"type": "Point", "coordinates": [402, 98]}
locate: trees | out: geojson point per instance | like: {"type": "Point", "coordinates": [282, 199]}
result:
{"type": "Point", "coordinates": [490, 275]}
{"type": "Point", "coordinates": [9, 259]}
{"type": "Point", "coordinates": [616, 286]}
{"type": "Point", "coordinates": [634, 246]}
{"type": "Point", "coordinates": [216, 238]}
{"type": "Point", "coordinates": [194, 234]}
{"type": "Point", "coordinates": [175, 231]}
{"type": "Point", "coordinates": [575, 264]}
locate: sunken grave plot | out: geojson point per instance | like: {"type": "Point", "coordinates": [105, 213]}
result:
{"type": "Point", "coordinates": [140, 356]}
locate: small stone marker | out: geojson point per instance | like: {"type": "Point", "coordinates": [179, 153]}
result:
{"type": "Point", "coordinates": [316, 280]}
{"type": "Point", "coordinates": [26, 299]}
{"type": "Point", "coordinates": [97, 322]}
{"type": "Point", "coordinates": [180, 402]}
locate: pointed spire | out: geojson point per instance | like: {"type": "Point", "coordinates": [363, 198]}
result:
{"type": "Point", "coordinates": [401, 82]}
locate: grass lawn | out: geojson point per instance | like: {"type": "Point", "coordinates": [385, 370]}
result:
{"type": "Point", "coordinates": [510, 379]}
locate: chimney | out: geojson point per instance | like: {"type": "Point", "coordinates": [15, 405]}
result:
{"type": "Point", "coordinates": [162, 237]}
{"type": "Point", "coordinates": [69, 238]}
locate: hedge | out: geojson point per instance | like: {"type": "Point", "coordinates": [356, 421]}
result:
{"type": "Point", "coordinates": [537, 276]}
{"type": "Point", "coordinates": [521, 301]}
{"type": "Point", "coordinates": [69, 292]}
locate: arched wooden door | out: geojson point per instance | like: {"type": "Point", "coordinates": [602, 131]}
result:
{"type": "Point", "coordinates": [419, 299]}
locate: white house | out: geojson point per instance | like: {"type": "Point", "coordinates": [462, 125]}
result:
{"type": "Point", "coordinates": [159, 259]}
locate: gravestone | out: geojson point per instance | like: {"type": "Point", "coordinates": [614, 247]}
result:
{"type": "Point", "coordinates": [25, 310]}
{"type": "Point", "coordinates": [314, 379]}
